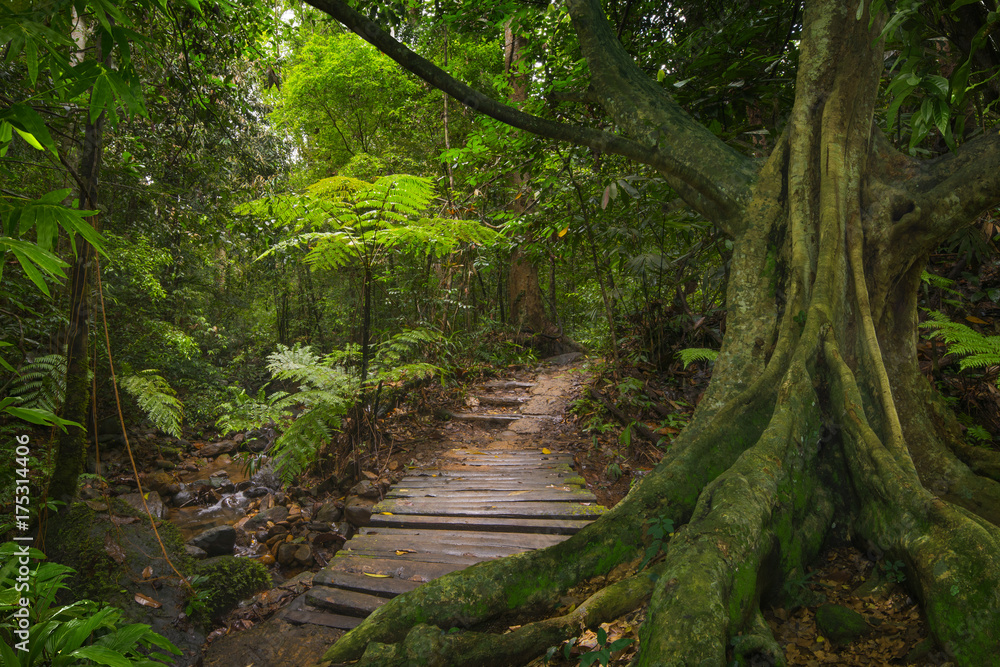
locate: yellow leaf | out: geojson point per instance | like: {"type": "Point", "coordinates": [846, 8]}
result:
{"type": "Point", "coordinates": [975, 320]}
{"type": "Point", "coordinates": [387, 513]}
{"type": "Point", "coordinates": [377, 576]}
{"type": "Point", "coordinates": [563, 232]}
{"type": "Point", "coordinates": [400, 552]}
{"type": "Point", "coordinates": [546, 450]}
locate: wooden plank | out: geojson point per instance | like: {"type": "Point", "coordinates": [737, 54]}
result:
{"type": "Point", "coordinates": [499, 524]}
{"type": "Point", "coordinates": [460, 559]}
{"type": "Point", "coordinates": [555, 494]}
{"type": "Point", "coordinates": [301, 617]}
{"type": "Point", "coordinates": [401, 569]}
{"type": "Point", "coordinates": [508, 384]}
{"type": "Point", "coordinates": [387, 587]}
{"type": "Point", "coordinates": [442, 507]}
{"type": "Point", "coordinates": [492, 483]}
{"type": "Point", "coordinates": [419, 536]}
{"type": "Point", "coordinates": [472, 473]}
{"type": "Point", "coordinates": [350, 603]}
{"type": "Point", "coordinates": [495, 420]}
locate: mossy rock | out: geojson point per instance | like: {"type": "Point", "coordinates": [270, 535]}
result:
{"type": "Point", "coordinates": [840, 624]}
{"type": "Point", "coordinates": [228, 580]}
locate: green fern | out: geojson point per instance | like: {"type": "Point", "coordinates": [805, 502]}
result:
{"type": "Point", "coordinates": [976, 350]}
{"type": "Point", "coordinates": [156, 398]}
{"type": "Point", "coordinates": [692, 354]}
{"type": "Point", "coordinates": [326, 391]}
{"type": "Point", "coordinates": [41, 383]}
{"type": "Point", "coordinates": [243, 411]}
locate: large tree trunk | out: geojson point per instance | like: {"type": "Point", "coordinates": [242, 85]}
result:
{"type": "Point", "coordinates": [817, 421]}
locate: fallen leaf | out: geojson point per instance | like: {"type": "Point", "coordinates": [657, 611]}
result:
{"type": "Point", "coordinates": [377, 576]}
{"type": "Point", "coordinates": [113, 549]}
{"type": "Point", "coordinates": [386, 513]}
{"type": "Point", "coordinates": [369, 474]}
{"type": "Point", "coordinates": [147, 572]}
{"type": "Point", "coordinates": [546, 450]}
{"type": "Point", "coordinates": [975, 320]}
{"type": "Point", "coordinates": [147, 601]}
{"type": "Point", "coordinates": [400, 552]}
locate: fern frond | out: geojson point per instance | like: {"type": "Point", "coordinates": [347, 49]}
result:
{"type": "Point", "coordinates": [41, 383]}
{"type": "Point", "coordinates": [692, 354]}
{"type": "Point", "coordinates": [297, 447]}
{"type": "Point", "coordinates": [977, 350]}
{"type": "Point", "coordinates": [156, 398]}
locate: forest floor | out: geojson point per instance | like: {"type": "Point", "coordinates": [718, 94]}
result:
{"type": "Point", "coordinates": [610, 462]}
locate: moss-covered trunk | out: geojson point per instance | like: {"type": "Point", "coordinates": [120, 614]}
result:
{"type": "Point", "coordinates": [72, 443]}
{"type": "Point", "coordinates": [816, 408]}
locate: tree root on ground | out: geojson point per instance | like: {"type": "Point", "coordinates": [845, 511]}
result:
{"type": "Point", "coordinates": [432, 646]}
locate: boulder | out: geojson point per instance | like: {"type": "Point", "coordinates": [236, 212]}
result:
{"type": "Point", "coordinates": [153, 502]}
{"type": "Point", "coordinates": [330, 512]}
{"type": "Point", "coordinates": [255, 445]}
{"type": "Point", "coordinates": [183, 498]}
{"type": "Point", "coordinates": [292, 554]}
{"type": "Point", "coordinates": [256, 492]}
{"type": "Point", "coordinates": [218, 541]}
{"type": "Point", "coordinates": [358, 511]}
{"type": "Point", "coordinates": [366, 489]}
{"type": "Point", "coordinates": [195, 552]}
{"type": "Point", "coordinates": [275, 514]}
{"type": "Point", "coordinates": [840, 624]}
{"type": "Point", "coordinates": [217, 448]}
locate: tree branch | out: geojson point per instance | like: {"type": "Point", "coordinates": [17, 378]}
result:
{"type": "Point", "coordinates": [957, 188]}
{"type": "Point", "coordinates": [711, 176]}
{"type": "Point", "coordinates": [713, 188]}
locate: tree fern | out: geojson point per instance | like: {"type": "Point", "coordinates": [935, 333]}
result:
{"type": "Point", "coordinates": [156, 398]}
{"type": "Point", "coordinates": [976, 350]}
{"type": "Point", "coordinates": [691, 354]}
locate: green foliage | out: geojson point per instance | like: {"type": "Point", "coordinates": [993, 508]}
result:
{"type": "Point", "coordinates": [81, 633]}
{"type": "Point", "coordinates": [692, 354]}
{"type": "Point", "coordinates": [243, 411]}
{"type": "Point", "coordinates": [659, 530]}
{"type": "Point", "coordinates": [605, 648]}
{"type": "Point", "coordinates": [978, 435]}
{"type": "Point", "coordinates": [41, 383]}
{"type": "Point", "coordinates": [221, 582]}
{"type": "Point", "coordinates": [326, 392]}
{"type": "Point", "coordinates": [894, 571]}
{"type": "Point", "coordinates": [976, 350]}
{"type": "Point", "coordinates": [389, 363]}
{"type": "Point", "coordinates": [156, 398]}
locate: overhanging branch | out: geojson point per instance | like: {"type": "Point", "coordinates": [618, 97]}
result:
{"type": "Point", "coordinates": [712, 188]}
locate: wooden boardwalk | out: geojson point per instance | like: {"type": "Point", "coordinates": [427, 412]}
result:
{"type": "Point", "coordinates": [473, 505]}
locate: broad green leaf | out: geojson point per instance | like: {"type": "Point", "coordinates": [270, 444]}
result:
{"type": "Point", "coordinates": [100, 95]}
{"type": "Point", "coordinates": [41, 417]}
{"type": "Point", "coordinates": [102, 656]}
{"type": "Point", "coordinates": [31, 123]}
{"type": "Point", "coordinates": [30, 138]}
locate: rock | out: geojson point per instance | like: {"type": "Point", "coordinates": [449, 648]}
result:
{"type": "Point", "coordinates": [275, 514]}
{"type": "Point", "coordinates": [344, 529]}
{"type": "Point", "coordinates": [218, 541]}
{"type": "Point", "coordinates": [322, 540]}
{"type": "Point", "coordinates": [256, 445]}
{"type": "Point", "coordinates": [358, 511]}
{"type": "Point", "coordinates": [189, 467]}
{"type": "Point", "coordinates": [217, 448]}
{"type": "Point", "coordinates": [329, 513]}
{"type": "Point", "coordinates": [266, 559]}
{"type": "Point", "coordinates": [218, 482]}
{"type": "Point", "coordinates": [153, 502]}
{"type": "Point", "coordinates": [256, 492]}
{"type": "Point", "coordinates": [87, 493]}
{"type": "Point", "coordinates": [219, 473]}
{"type": "Point", "coordinates": [319, 526]}
{"type": "Point", "coordinates": [840, 624]}
{"type": "Point", "coordinates": [183, 444]}
{"type": "Point", "coordinates": [242, 537]}
{"type": "Point", "coordinates": [183, 498]}
{"type": "Point", "coordinates": [199, 482]}
{"type": "Point", "coordinates": [291, 553]}
{"type": "Point", "coordinates": [276, 530]}
{"type": "Point", "coordinates": [158, 481]}
{"type": "Point", "coordinates": [195, 552]}
{"type": "Point", "coordinates": [171, 489]}
{"type": "Point", "coordinates": [366, 489]}
{"type": "Point", "coordinates": [163, 464]}
{"type": "Point", "coordinates": [238, 438]}
{"type": "Point", "coordinates": [228, 487]}
{"type": "Point", "coordinates": [244, 485]}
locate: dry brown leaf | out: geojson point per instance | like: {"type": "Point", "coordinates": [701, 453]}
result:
{"type": "Point", "coordinates": [369, 474]}
{"type": "Point", "coordinates": [147, 601]}
{"type": "Point", "coordinates": [113, 549]}
{"type": "Point", "coordinates": [147, 572]}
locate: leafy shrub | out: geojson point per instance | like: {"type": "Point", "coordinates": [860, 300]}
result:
{"type": "Point", "coordinates": [81, 633]}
